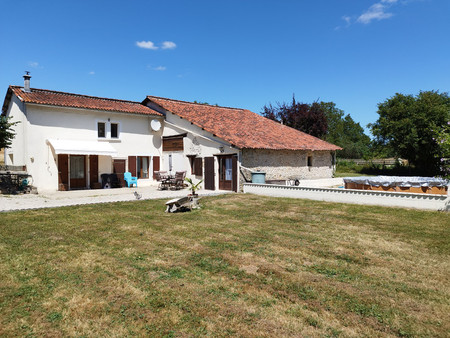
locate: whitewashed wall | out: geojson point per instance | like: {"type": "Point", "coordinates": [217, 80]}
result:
{"type": "Point", "coordinates": [197, 142]}
{"type": "Point", "coordinates": [44, 122]}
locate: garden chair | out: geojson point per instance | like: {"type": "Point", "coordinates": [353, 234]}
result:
{"type": "Point", "coordinates": [178, 181]}
{"type": "Point", "coordinates": [130, 179]}
{"type": "Point", "coordinates": [163, 178]}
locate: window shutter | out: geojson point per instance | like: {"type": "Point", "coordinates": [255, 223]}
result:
{"type": "Point", "coordinates": [173, 144]}
{"type": "Point", "coordinates": [198, 166]}
{"type": "Point", "coordinates": [63, 169]}
{"type": "Point", "coordinates": [132, 165]}
{"type": "Point", "coordinates": [209, 173]}
{"type": "Point", "coordinates": [235, 182]}
{"type": "Point", "coordinates": [156, 165]}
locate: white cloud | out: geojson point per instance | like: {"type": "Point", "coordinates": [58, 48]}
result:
{"type": "Point", "coordinates": [376, 12]}
{"type": "Point", "coordinates": [92, 73]}
{"type": "Point", "coordinates": [159, 68]}
{"type": "Point", "coordinates": [347, 19]}
{"type": "Point", "coordinates": [146, 45]}
{"type": "Point", "coordinates": [33, 64]}
{"type": "Point", "coordinates": [168, 45]}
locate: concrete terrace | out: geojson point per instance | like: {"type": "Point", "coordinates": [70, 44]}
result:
{"type": "Point", "coordinates": [52, 199]}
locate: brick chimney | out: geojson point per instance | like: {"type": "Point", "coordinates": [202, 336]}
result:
{"type": "Point", "coordinates": [26, 85]}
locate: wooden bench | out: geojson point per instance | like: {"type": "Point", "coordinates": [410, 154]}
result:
{"type": "Point", "coordinates": [180, 204]}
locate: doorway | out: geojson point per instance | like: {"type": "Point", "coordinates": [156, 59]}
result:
{"type": "Point", "coordinates": [77, 171]}
{"type": "Point", "coordinates": [228, 172]}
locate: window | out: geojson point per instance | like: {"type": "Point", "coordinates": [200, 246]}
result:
{"type": "Point", "coordinates": [225, 168]}
{"type": "Point", "coordinates": [143, 166]}
{"type": "Point", "coordinates": [173, 143]}
{"type": "Point", "coordinates": [196, 165]}
{"type": "Point", "coordinates": [77, 163]}
{"type": "Point", "coordinates": [114, 130]}
{"type": "Point", "coordinates": [101, 129]}
{"type": "Point", "coordinates": [309, 161]}
{"type": "Point", "coordinates": [108, 130]}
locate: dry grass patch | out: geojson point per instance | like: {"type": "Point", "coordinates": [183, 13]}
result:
{"type": "Point", "coordinates": [242, 265]}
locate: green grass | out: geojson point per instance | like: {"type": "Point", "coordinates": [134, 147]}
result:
{"type": "Point", "coordinates": [242, 265]}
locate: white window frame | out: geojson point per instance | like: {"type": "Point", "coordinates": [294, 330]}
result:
{"type": "Point", "coordinates": [118, 130]}
{"type": "Point", "coordinates": [106, 129]}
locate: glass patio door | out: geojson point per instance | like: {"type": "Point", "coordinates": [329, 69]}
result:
{"type": "Point", "coordinates": [77, 171]}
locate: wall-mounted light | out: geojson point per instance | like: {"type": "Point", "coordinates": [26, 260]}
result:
{"type": "Point", "coordinates": [221, 149]}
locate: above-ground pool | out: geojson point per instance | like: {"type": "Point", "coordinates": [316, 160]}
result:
{"type": "Point", "coordinates": [412, 184]}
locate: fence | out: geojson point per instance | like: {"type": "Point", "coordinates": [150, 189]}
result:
{"type": "Point", "coordinates": [376, 161]}
{"type": "Point", "coordinates": [366, 197]}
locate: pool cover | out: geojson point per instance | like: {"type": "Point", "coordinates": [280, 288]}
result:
{"type": "Point", "coordinates": [398, 181]}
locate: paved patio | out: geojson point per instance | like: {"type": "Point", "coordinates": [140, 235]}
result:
{"type": "Point", "coordinates": [51, 199]}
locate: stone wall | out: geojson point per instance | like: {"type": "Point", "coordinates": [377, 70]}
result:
{"type": "Point", "coordinates": [288, 164]}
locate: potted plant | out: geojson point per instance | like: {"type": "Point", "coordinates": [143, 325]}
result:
{"type": "Point", "coordinates": [193, 196]}
{"type": "Point", "coordinates": [193, 186]}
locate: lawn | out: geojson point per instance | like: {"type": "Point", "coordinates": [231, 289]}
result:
{"type": "Point", "coordinates": [242, 265]}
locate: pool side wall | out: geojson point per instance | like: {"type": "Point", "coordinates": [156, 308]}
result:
{"type": "Point", "coordinates": [353, 196]}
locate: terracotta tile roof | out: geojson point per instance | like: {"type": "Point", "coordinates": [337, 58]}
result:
{"type": "Point", "coordinates": [242, 127]}
{"type": "Point", "coordinates": [54, 98]}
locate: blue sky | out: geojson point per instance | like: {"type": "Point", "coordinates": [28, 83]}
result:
{"type": "Point", "coordinates": [244, 54]}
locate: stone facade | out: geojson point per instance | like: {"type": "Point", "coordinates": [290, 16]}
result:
{"type": "Point", "coordinates": [289, 164]}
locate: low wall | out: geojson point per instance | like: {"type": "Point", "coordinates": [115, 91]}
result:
{"type": "Point", "coordinates": [366, 197]}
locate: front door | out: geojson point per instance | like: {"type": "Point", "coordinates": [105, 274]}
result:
{"type": "Point", "coordinates": [77, 171]}
{"type": "Point", "coordinates": [225, 173]}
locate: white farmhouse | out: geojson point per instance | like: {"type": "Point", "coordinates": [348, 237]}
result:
{"type": "Point", "coordinates": [68, 141]}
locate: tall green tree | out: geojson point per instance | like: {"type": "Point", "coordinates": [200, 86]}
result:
{"type": "Point", "coordinates": [345, 132]}
{"type": "Point", "coordinates": [6, 131]}
{"type": "Point", "coordinates": [409, 125]}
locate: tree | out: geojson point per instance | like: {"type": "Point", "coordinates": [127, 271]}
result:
{"type": "Point", "coordinates": [443, 157]}
{"type": "Point", "coordinates": [6, 132]}
{"type": "Point", "coordinates": [345, 132]}
{"type": "Point", "coordinates": [309, 118]}
{"type": "Point", "coordinates": [408, 125]}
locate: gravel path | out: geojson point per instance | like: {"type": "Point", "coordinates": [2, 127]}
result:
{"type": "Point", "coordinates": [78, 197]}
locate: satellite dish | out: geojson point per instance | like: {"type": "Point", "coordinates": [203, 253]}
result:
{"type": "Point", "coordinates": [155, 125]}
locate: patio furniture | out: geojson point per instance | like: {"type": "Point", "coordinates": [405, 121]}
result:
{"type": "Point", "coordinates": [178, 181]}
{"type": "Point", "coordinates": [130, 179]}
{"type": "Point", "coordinates": [163, 178]}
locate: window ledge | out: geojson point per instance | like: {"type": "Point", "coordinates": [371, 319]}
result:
{"type": "Point", "coordinates": [111, 140]}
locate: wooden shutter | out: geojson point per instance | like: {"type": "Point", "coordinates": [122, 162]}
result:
{"type": "Point", "coordinates": [198, 166]}
{"type": "Point", "coordinates": [93, 169]}
{"type": "Point", "coordinates": [156, 165]}
{"type": "Point", "coordinates": [63, 172]}
{"type": "Point", "coordinates": [209, 173]}
{"type": "Point", "coordinates": [173, 144]}
{"type": "Point", "coordinates": [234, 174]}
{"type": "Point", "coordinates": [119, 169]}
{"type": "Point", "coordinates": [132, 165]}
